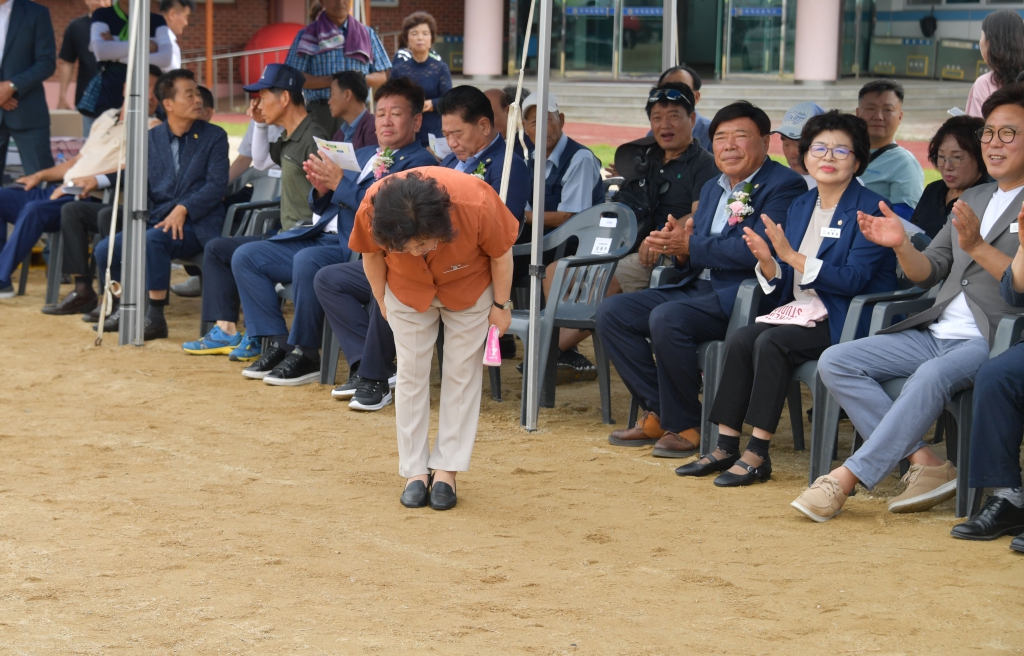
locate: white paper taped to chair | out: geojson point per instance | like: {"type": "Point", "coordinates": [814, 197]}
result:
{"type": "Point", "coordinates": [609, 221]}
{"type": "Point", "coordinates": [601, 246]}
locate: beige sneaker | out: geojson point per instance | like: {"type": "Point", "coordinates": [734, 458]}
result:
{"type": "Point", "coordinates": [926, 487]}
{"type": "Point", "coordinates": [822, 501]}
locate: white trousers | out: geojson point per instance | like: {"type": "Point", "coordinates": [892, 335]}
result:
{"type": "Point", "coordinates": [415, 332]}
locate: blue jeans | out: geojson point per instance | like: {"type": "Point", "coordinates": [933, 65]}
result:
{"type": "Point", "coordinates": [32, 213]}
{"type": "Point", "coordinates": [259, 266]}
{"type": "Point", "coordinates": [936, 369]}
{"type": "Point", "coordinates": [161, 248]}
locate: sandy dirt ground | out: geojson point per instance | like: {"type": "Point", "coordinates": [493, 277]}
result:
{"type": "Point", "coordinates": [158, 503]}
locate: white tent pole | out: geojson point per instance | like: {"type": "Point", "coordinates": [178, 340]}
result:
{"type": "Point", "coordinates": [133, 244]}
{"type": "Point", "coordinates": [668, 35]}
{"type": "Point", "coordinates": [537, 268]}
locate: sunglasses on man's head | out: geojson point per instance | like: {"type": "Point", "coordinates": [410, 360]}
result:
{"type": "Point", "coordinates": [671, 95]}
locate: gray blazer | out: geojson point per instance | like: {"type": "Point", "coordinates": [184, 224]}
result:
{"type": "Point", "coordinates": [962, 274]}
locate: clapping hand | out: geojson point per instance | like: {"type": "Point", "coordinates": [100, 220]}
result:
{"type": "Point", "coordinates": [322, 171]}
{"type": "Point", "coordinates": [673, 239]}
{"type": "Point", "coordinates": [778, 238]}
{"type": "Point", "coordinates": [886, 230]}
{"type": "Point", "coordinates": [759, 247]}
{"type": "Point", "coordinates": [968, 227]}
{"type": "Point", "coordinates": [1020, 225]}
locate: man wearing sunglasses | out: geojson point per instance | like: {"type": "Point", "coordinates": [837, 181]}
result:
{"type": "Point", "coordinates": [938, 350]}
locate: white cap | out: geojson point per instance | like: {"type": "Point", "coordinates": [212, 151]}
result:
{"type": "Point", "coordinates": [531, 101]}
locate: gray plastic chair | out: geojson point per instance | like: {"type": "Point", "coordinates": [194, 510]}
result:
{"type": "Point", "coordinates": [959, 408]}
{"type": "Point", "coordinates": [578, 286]}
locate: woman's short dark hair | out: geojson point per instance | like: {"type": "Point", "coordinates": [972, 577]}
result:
{"type": "Point", "coordinates": [686, 102]}
{"type": "Point", "coordinates": [468, 102]}
{"type": "Point", "coordinates": [741, 109]}
{"type": "Point", "coordinates": [1010, 94]}
{"type": "Point", "coordinates": [412, 206]}
{"type": "Point", "coordinates": [416, 19]}
{"type": "Point", "coordinates": [835, 121]}
{"type": "Point", "coordinates": [402, 86]}
{"type": "Point", "coordinates": [353, 81]}
{"type": "Point", "coordinates": [965, 130]}
{"type": "Point", "coordinates": [1004, 30]}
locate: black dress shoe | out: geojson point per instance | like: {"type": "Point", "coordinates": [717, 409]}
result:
{"type": "Point", "coordinates": [698, 468]}
{"type": "Point", "coordinates": [273, 356]}
{"type": "Point", "coordinates": [442, 496]}
{"type": "Point", "coordinates": [154, 330]}
{"type": "Point", "coordinates": [998, 517]}
{"type": "Point", "coordinates": [1017, 544]}
{"type": "Point", "coordinates": [74, 303]}
{"type": "Point", "coordinates": [94, 315]}
{"type": "Point", "coordinates": [113, 322]}
{"type": "Point", "coordinates": [752, 475]}
{"type": "Point", "coordinates": [415, 495]}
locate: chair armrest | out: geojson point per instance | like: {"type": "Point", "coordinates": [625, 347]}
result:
{"type": "Point", "coordinates": [1008, 333]}
{"type": "Point", "coordinates": [746, 306]}
{"type": "Point", "coordinates": [858, 304]}
{"type": "Point", "coordinates": [883, 314]}
{"type": "Point", "coordinates": [665, 275]}
{"type": "Point", "coordinates": [262, 221]}
{"type": "Point", "coordinates": [608, 183]}
{"type": "Point", "coordinates": [229, 219]}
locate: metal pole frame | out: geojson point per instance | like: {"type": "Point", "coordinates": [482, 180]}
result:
{"type": "Point", "coordinates": [782, 44]}
{"type": "Point", "coordinates": [136, 214]}
{"type": "Point", "coordinates": [668, 45]}
{"type": "Point", "coordinates": [537, 267]}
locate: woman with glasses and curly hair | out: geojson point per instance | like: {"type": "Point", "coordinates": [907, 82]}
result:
{"type": "Point", "coordinates": [1002, 48]}
{"type": "Point", "coordinates": [955, 151]}
{"type": "Point", "coordinates": [821, 261]}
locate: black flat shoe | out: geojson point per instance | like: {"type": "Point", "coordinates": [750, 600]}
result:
{"type": "Point", "coordinates": [415, 495]}
{"type": "Point", "coordinates": [698, 468]}
{"type": "Point", "coordinates": [442, 496]}
{"type": "Point", "coordinates": [753, 474]}
{"type": "Point", "coordinates": [998, 517]}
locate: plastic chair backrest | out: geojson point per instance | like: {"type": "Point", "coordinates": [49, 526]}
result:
{"type": "Point", "coordinates": [265, 187]}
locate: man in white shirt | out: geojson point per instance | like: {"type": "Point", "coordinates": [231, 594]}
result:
{"type": "Point", "coordinates": [938, 350]}
{"type": "Point", "coordinates": [176, 13]}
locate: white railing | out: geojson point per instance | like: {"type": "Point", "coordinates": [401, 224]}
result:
{"type": "Point", "coordinates": [252, 62]}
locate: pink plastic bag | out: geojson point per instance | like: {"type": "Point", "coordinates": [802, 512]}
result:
{"type": "Point", "coordinates": [492, 351]}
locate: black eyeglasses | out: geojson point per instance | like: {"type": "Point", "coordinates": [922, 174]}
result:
{"type": "Point", "coordinates": [820, 150]}
{"type": "Point", "coordinates": [672, 95]}
{"type": "Point", "coordinates": [1006, 135]}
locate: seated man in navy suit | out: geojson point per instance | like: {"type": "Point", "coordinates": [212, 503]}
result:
{"type": "Point", "coordinates": [188, 172]}
{"type": "Point", "coordinates": [709, 249]}
{"type": "Point", "coordinates": [297, 255]}
{"type": "Point", "coordinates": [280, 105]}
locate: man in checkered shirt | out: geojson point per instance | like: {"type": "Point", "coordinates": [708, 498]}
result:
{"type": "Point", "coordinates": [333, 42]}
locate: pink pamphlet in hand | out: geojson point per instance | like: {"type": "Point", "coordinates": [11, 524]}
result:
{"type": "Point", "coordinates": [492, 351]}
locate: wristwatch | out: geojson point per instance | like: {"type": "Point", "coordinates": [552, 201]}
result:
{"type": "Point", "coordinates": [14, 87]}
{"type": "Point", "coordinates": [507, 305]}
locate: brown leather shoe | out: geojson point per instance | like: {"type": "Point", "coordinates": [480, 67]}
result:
{"type": "Point", "coordinates": [647, 431]}
{"type": "Point", "coordinates": [682, 445]}
{"type": "Point", "coordinates": [74, 303]}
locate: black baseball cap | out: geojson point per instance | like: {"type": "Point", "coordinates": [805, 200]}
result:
{"type": "Point", "coordinates": [279, 76]}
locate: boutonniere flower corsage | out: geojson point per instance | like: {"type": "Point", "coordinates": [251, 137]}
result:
{"type": "Point", "coordinates": [739, 204]}
{"type": "Point", "coordinates": [385, 158]}
{"type": "Point", "coordinates": [480, 171]}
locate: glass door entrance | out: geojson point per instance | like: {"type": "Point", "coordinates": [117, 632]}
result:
{"type": "Point", "coordinates": [589, 36]}
{"type": "Point", "coordinates": [640, 27]}
{"type": "Point", "coordinates": [760, 36]}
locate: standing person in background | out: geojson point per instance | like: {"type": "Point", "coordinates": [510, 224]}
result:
{"type": "Point", "coordinates": [176, 13]}
{"type": "Point", "coordinates": [437, 246]}
{"type": "Point", "coordinates": [28, 51]}
{"type": "Point", "coordinates": [792, 124]}
{"type": "Point", "coordinates": [108, 40]}
{"type": "Point", "coordinates": [955, 151]}
{"type": "Point", "coordinates": [348, 103]}
{"type": "Point", "coordinates": [416, 61]}
{"type": "Point", "coordinates": [75, 48]}
{"type": "Point", "coordinates": [335, 42]}
{"type": "Point", "coordinates": [1002, 48]}
{"type": "Point", "coordinates": [689, 77]}
{"type": "Point", "coordinates": [893, 172]}
{"type": "Point", "coordinates": [499, 104]}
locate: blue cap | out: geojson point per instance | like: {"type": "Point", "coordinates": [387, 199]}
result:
{"type": "Point", "coordinates": [793, 121]}
{"type": "Point", "coordinates": [279, 76]}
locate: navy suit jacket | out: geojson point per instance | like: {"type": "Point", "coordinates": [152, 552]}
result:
{"type": "Point", "coordinates": [30, 56]}
{"type": "Point", "coordinates": [346, 199]}
{"type": "Point", "coordinates": [726, 255]}
{"type": "Point", "coordinates": [201, 180]}
{"type": "Point", "coordinates": [493, 158]}
{"type": "Point", "coordinates": [851, 264]}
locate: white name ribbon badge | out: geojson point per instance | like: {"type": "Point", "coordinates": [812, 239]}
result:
{"type": "Point", "coordinates": [831, 233]}
{"type": "Point", "coordinates": [609, 221]}
{"type": "Point", "coordinates": [601, 246]}
{"type": "Point", "coordinates": [274, 172]}
{"type": "Point", "coordinates": [1014, 228]}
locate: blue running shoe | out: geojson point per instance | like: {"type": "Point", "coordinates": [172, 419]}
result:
{"type": "Point", "coordinates": [215, 342]}
{"type": "Point", "coordinates": [248, 350]}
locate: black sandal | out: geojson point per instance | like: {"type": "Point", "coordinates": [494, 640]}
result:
{"type": "Point", "coordinates": [759, 474]}
{"type": "Point", "coordinates": [698, 468]}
